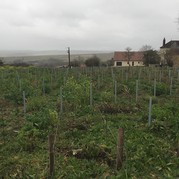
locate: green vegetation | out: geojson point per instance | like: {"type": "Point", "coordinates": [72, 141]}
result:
{"type": "Point", "coordinates": [92, 61]}
{"type": "Point", "coordinates": [1, 61]}
{"type": "Point", "coordinates": [151, 57]}
{"type": "Point", "coordinates": [58, 101]}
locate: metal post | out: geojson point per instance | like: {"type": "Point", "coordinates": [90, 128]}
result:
{"type": "Point", "coordinates": [150, 111]}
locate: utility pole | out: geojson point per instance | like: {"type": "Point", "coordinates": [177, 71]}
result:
{"type": "Point", "coordinates": [68, 51]}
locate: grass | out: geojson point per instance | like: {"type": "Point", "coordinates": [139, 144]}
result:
{"type": "Point", "coordinates": [86, 136]}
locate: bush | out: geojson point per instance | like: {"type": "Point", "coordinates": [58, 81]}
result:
{"type": "Point", "coordinates": [28, 137]}
{"type": "Point", "coordinates": [161, 89]}
{"type": "Point", "coordinates": [76, 92]}
{"type": "Point", "coordinates": [76, 63]}
{"type": "Point", "coordinates": [151, 57]}
{"type": "Point", "coordinates": [44, 119]}
{"type": "Point", "coordinates": [93, 61]}
{"type": "Point", "coordinates": [37, 103]}
{"type": "Point", "coordinates": [1, 62]}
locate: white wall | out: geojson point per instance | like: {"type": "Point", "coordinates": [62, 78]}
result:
{"type": "Point", "coordinates": [124, 63]}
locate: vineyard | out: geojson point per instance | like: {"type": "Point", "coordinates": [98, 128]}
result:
{"type": "Point", "coordinates": [84, 108]}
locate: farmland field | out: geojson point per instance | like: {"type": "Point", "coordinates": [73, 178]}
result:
{"type": "Point", "coordinates": [84, 108]}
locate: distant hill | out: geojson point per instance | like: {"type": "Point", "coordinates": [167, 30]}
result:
{"type": "Point", "coordinates": [50, 57]}
{"type": "Point", "coordinates": [20, 53]}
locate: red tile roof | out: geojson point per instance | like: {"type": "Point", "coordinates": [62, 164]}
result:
{"type": "Point", "coordinates": [123, 56]}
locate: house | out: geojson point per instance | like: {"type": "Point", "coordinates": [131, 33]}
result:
{"type": "Point", "coordinates": [173, 46]}
{"type": "Point", "coordinates": [170, 44]}
{"type": "Point", "coordinates": [124, 58]}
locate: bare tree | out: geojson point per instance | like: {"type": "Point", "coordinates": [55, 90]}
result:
{"type": "Point", "coordinates": [128, 54]}
{"type": "Point", "coordinates": [171, 56]}
{"type": "Point", "coordinates": [146, 48]}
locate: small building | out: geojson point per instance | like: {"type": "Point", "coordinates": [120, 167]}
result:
{"type": "Point", "coordinates": [171, 45]}
{"type": "Point", "coordinates": [124, 58]}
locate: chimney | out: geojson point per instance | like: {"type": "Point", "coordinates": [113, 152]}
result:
{"type": "Point", "coordinates": [163, 42]}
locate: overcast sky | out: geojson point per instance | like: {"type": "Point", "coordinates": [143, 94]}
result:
{"type": "Point", "coordinates": [87, 24]}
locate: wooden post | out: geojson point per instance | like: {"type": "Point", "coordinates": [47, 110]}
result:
{"type": "Point", "coordinates": [120, 145]}
{"type": "Point", "coordinates": [69, 62]}
{"type": "Point", "coordinates": [51, 139]}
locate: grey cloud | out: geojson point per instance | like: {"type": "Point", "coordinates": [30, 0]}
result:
{"type": "Point", "coordinates": [86, 24]}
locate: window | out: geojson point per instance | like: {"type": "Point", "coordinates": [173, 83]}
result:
{"type": "Point", "coordinates": [119, 63]}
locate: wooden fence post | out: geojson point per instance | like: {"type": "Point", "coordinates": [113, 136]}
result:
{"type": "Point", "coordinates": [120, 146]}
{"type": "Point", "coordinates": [51, 139]}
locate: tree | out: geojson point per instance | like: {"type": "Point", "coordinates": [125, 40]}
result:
{"type": "Point", "coordinates": [92, 61]}
{"type": "Point", "coordinates": [145, 48]}
{"type": "Point", "coordinates": [110, 62]}
{"type": "Point", "coordinates": [170, 56]}
{"type": "Point", "coordinates": [77, 62]}
{"type": "Point", "coordinates": [128, 55]}
{"type": "Point", "coordinates": [151, 57]}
